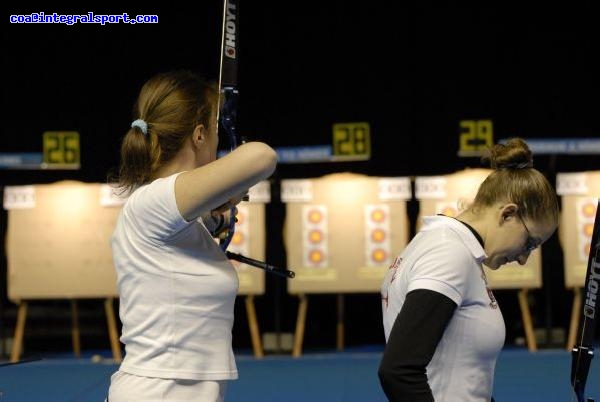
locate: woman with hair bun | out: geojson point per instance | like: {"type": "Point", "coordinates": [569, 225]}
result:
{"type": "Point", "coordinates": [443, 326]}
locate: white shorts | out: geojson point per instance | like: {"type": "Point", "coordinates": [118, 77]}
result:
{"type": "Point", "coordinates": [125, 387]}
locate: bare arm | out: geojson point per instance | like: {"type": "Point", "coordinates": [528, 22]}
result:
{"type": "Point", "coordinates": [210, 186]}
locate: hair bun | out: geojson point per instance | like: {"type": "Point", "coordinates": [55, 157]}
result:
{"type": "Point", "coordinates": [513, 154]}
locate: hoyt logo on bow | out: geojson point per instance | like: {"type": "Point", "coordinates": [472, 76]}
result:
{"type": "Point", "coordinates": [230, 30]}
{"type": "Point", "coordinates": [591, 295]}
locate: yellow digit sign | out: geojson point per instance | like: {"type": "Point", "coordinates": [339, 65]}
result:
{"type": "Point", "coordinates": [475, 137]}
{"type": "Point", "coordinates": [351, 141]}
{"type": "Point", "coordinates": [61, 149]}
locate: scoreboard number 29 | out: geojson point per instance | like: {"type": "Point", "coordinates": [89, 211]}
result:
{"type": "Point", "coordinates": [475, 136]}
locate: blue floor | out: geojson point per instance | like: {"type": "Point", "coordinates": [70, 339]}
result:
{"type": "Point", "coordinates": [329, 377]}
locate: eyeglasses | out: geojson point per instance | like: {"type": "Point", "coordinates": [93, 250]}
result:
{"type": "Point", "coordinates": [530, 244]}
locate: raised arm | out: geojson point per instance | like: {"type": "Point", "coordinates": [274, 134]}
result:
{"type": "Point", "coordinates": [209, 186]}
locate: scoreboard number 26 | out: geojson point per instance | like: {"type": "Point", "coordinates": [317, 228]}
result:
{"type": "Point", "coordinates": [61, 148]}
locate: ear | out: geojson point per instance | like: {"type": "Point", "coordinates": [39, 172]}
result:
{"type": "Point", "coordinates": [507, 212]}
{"type": "Point", "coordinates": [199, 135]}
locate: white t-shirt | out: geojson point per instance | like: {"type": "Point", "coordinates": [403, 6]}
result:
{"type": "Point", "coordinates": [446, 257]}
{"type": "Point", "coordinates": [177, 290]}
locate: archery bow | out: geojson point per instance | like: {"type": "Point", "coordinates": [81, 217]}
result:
{"type": "Point", "coordinates": [227, 117]}
{"type": "Point", "coordinates": [583, 353]}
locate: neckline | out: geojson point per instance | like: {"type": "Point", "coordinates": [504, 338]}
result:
{"type": "Point", "coordinates": [471, 228]}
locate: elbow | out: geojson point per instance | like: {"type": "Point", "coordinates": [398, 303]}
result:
{"type": "Point", "coordinates": [404, 383]}
{"type": "Point", "coordinates": [389, 383]}
{"type": "Point", "coordinates": [271, 157]}
{"type": "Point", "coordinates": [386, 376]}
{"type": "Point", "coordinates": [265, 157]}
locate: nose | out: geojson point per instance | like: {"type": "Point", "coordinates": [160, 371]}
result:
{"type": "Point", "coordinates": [522, 258]}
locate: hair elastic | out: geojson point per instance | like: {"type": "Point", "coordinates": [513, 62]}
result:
{"type": "Point", "coordinates": [517, 165]}
{"type": "Point", "coordinates": [141, 124]}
